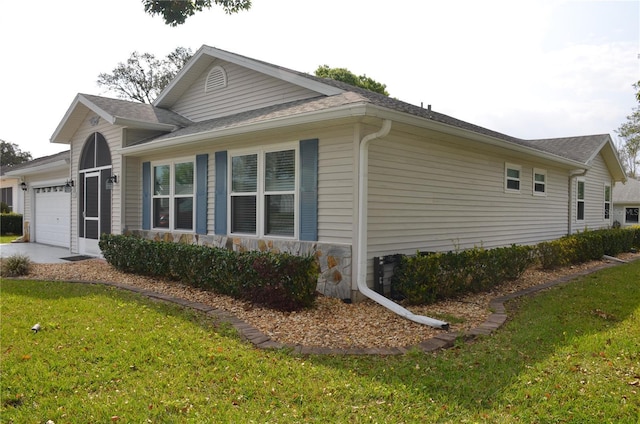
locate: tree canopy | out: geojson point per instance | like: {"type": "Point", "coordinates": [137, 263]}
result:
{"type": "Point", "coordinates": [10, 154]}
{"type": "Point", "coordinates": [629, 131]}
{"type": "Point", "coordinates": [346, 76]}
{"type": "Point", "coordinates": [142, 77]}
{"type": "Point", "coordinates": [176, 12]}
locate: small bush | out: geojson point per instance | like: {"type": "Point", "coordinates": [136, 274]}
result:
{"type": "Point", "coordinates": [10, 224]}
{"type": "Point", "coordinates": [15, 266]}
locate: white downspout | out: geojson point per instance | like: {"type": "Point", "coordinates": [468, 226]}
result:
{"type": "Point", "coordinates": [363, 178]}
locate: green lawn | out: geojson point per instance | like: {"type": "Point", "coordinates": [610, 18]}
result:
{"type": "Point", "coordinates": [570, 354]}
{"type": "Point", "coordinates": [8, 239]}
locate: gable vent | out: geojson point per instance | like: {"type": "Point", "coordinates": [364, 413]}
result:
{"type": "Point", "coordinates": [216, 79]}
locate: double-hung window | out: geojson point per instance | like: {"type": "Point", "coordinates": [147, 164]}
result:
{"type": "Point", "coordinates": [173, 195]}
{"type": "Point", "coordinates": [539, 182]}
{"type": "Point", "coordinates": [580, 200]}
{"type": "Point", "coordinates": [263, 192]}
{"type": "Point", "coordinates": [512, 177]}
{"type": "Point", "coordinates": [607, 201]}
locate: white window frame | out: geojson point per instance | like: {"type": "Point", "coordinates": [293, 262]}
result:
{"type": "Point", "coordinates": [261, 194]}
{"type": "Point", "coordinates": [172, 196]}
{"type": "Point", "coordinates": [607, 202]}
{"type": "Point", "coordinates": [581, 200]}
{"type": "Point", "coordinates": [507, 178]}
{"type": "Point", "coordinates": [536, 172]}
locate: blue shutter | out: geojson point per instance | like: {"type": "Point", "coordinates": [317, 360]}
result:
{"type": "Point", "coordinates": [221, 193]}
{"type": "Point", "coordinates": [202, 163]}
{"type": "Point", "coordinates": [309, 190]}
{"type": "Point", "coordinates": [146, 195]}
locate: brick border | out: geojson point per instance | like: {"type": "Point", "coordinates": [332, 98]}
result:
{"type": "Point", "coordinates": [253, 335]}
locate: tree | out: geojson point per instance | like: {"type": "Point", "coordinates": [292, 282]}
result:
{"type": "Point", "coordinates": [143, 77]}
{"type": "Point", "coordinates": [345, 75]}
{"type": "Point", "coordinates": [176, 12]}
{"type": "Point", "coordinates": [10, 154]}
{"type": "Point", "coordinates": [629, 150]}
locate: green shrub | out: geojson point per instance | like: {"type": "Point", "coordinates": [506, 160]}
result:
{"type": "Point", "coordinates": [424, 279]}
{"type": "Point", "coordinates": [10, 223]}
{"type": "Point", "coordinates": [280, 281]}
{"type": "Point", "coordinates": [586, 246]}
{"type": "Point", "coordinates": [15, 265]}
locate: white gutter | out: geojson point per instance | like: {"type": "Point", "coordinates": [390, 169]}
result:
{"type": "Point", "coordinates": [363, 178]}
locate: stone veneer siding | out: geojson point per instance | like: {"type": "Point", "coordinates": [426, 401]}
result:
{"type": "Point", "coordinates": [334, 259]}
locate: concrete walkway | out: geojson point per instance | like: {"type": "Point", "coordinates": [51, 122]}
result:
{"type": "Point", "coordinates": [38, 253]}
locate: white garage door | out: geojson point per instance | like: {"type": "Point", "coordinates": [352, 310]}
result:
{"type": "Point", "coordinates": [53, 216]}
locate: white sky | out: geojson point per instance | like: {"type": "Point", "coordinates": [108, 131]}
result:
{"type": "Point", "coordinates": [530, 69]}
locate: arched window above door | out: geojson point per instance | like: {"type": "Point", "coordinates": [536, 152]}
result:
{"type": "Point", "coordinates": [95, 152]}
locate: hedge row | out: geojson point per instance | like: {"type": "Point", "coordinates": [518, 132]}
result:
{"type": "Point", "coordinates": [427, 278]}
{"type": "Point", "coordinates": [280, 281]}
{"type": "Point", "coordinates": [10, 224]}
{"type": "Point", "coordinates": [586, 246]}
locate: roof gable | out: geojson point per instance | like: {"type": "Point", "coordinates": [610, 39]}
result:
{"type": "Point", "coordinates": [205, 57]}
{"type": "Point", "coordinates": [115, 112]}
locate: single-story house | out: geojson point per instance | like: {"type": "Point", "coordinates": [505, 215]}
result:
{"type": "Point", "coordinates": [243, 154]}
{"type": "Point", "coordinates": [626, 202]}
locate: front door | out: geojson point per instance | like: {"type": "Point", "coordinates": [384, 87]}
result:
{"type": "Point", "coordinates": [91, 214]}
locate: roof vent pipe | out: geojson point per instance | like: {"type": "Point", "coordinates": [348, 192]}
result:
{"type": "Point", "coordinates": [363, 178]}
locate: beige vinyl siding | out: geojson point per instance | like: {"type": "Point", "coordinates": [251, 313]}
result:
{"type": "Point", "coordinates": [427, 195]}
{"type": "Point", "coordinates": [245, 90]}
{"type": "Point", "coordinates": [336, 186]}
{"type": "Point", "coordinates": [113, 135]}
{"type": "Point", "coordinates": [595, 179]}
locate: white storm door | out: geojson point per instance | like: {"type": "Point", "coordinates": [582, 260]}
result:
{"type": "Point", "coordinates": [91, 214]}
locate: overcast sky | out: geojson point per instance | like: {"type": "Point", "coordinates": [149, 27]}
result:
{"type": "Point", "coordinates": [530, 69]}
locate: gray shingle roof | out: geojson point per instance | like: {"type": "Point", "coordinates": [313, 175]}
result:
{"type": "Point", "coordinates": [138, 111]}
{"type": "Point", "coordinates": [580, 149]}
{"type": "Point", "coordinates": [66, 155]}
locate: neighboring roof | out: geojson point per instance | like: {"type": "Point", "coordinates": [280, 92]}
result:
{"type": "Point", "coordinates": [45, 163]}
{"type": "Point", "coordinates": [628, 192]}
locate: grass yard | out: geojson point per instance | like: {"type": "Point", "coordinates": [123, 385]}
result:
{"type": "Point", "coordinates": [8, 239]}
{"type": "Point", "coordinates": [570, 354]}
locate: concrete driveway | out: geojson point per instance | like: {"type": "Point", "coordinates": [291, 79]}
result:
{"type": "Point", "coordinates": [38, 253]}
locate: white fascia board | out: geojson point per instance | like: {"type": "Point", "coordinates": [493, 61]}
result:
{"type": "Point", "coordinates": [348, 111]}
{"type": "Point", "coordinates": [143, 124]}
{"type": "Point", "coordinates": [45, 167]}
{"type": "Point", "coordinates": [79, 100]}
{"type": "Point", "coordinates": [417, 121]}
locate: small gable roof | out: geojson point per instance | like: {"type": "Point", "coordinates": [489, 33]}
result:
{"type": "Point", "coordinates": [116, 112]}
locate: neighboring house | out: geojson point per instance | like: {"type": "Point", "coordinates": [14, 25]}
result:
{"type": "Point", "coordinates": [47, 202]}
{"type": "Point", "coordinates": [626, 203]}
{"type": "Point", "coordinates": [9, 188]}
{"type": "Point", "coordinates": [242, 154]}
